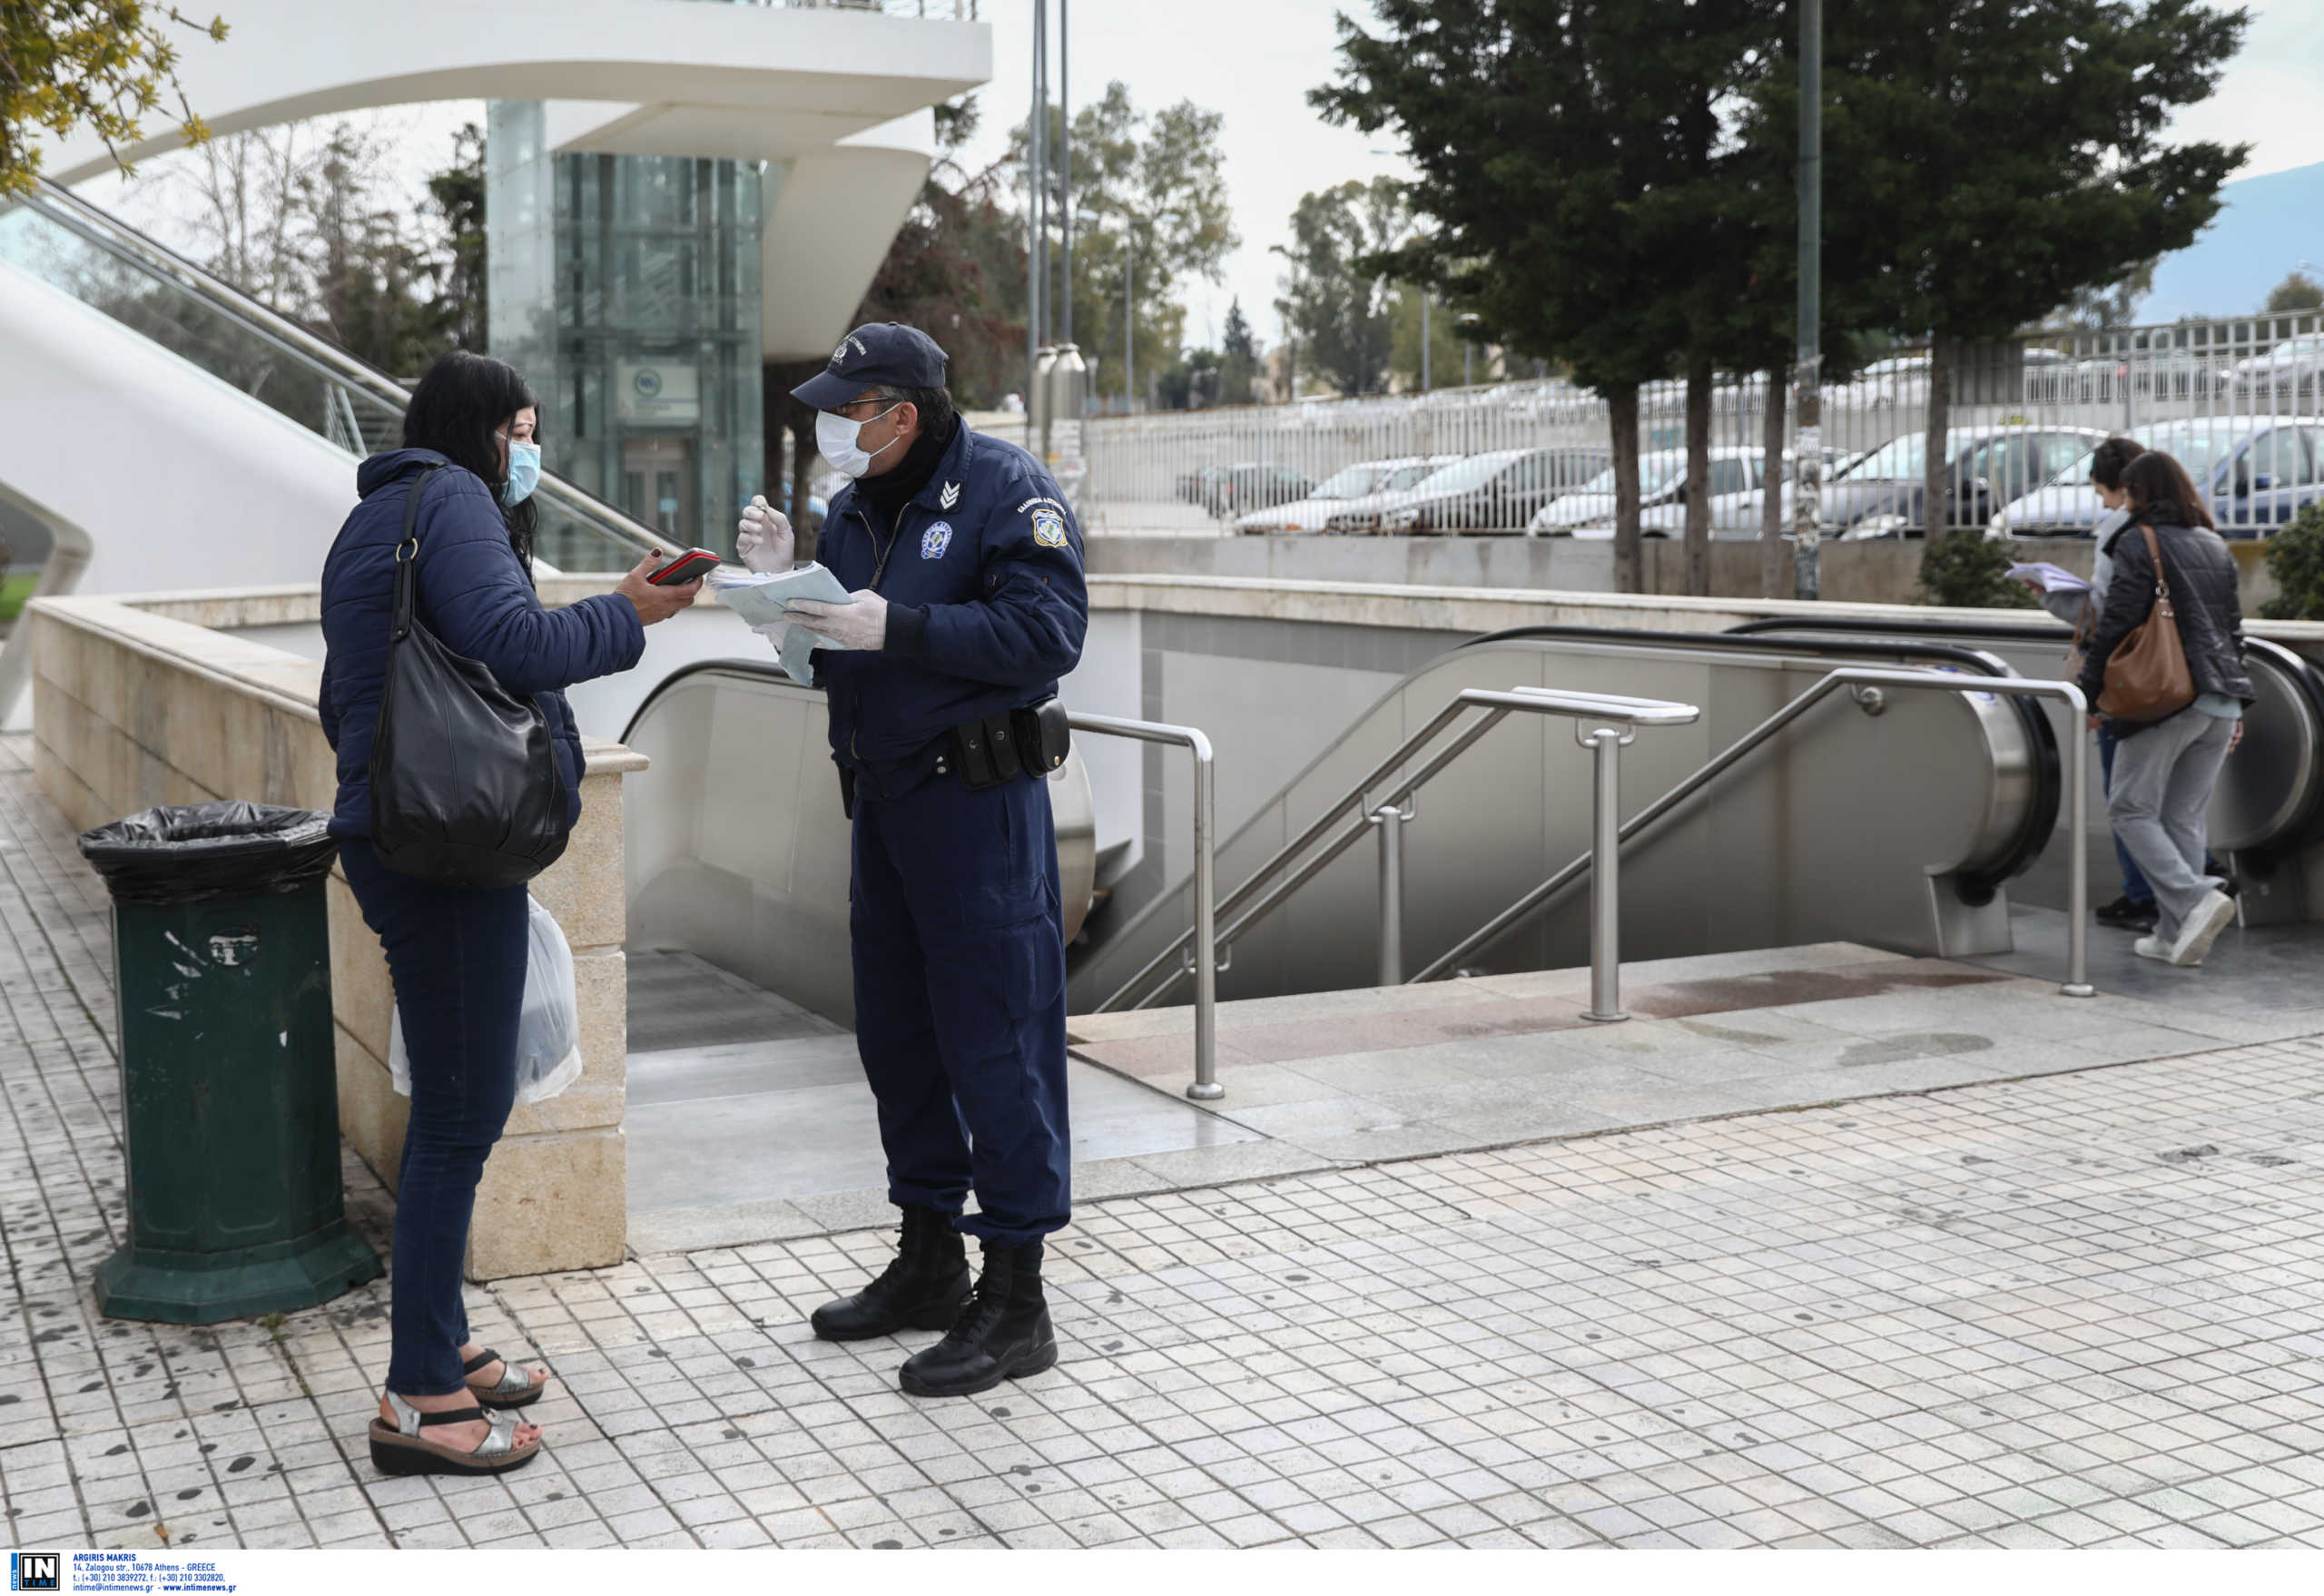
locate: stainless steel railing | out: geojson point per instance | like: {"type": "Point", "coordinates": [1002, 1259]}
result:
{"type": "Point", "coordinates": [352, 391]}
{"type": "Point", "coordinates": [1397, 791]}
{"type": "Point", "coordinates": [1868, 684]}
{"type": "Point", "coordinates": [1203, 959]}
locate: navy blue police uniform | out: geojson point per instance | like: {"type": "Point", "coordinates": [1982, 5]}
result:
{"type": "Point", "coordinates": [958, 928]}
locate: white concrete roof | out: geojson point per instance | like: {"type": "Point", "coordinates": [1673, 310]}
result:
{"type": "Point", "coordinates": [836, 101]}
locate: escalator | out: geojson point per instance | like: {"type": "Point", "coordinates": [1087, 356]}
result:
{"type": "Point", "coordinates": [2267, 810]}
{"type": "Point", "coordinates": [164, 431]}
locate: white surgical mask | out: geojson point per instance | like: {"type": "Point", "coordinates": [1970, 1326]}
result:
{"type": "Point", "coordinates": [835, 440]}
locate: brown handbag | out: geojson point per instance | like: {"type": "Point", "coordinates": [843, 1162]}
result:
{"type": "Point", "coordinates": [2147, 677]}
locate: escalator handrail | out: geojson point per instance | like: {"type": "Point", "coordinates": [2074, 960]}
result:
{"type": "Point", "coordinates": [95, 225]}
{"type": "Point", "coordinates": [2306, 678]}
{"type": "Point", "coordinates": [2042, 812]}
{"type": "Point", "coordinates": [761, 670]}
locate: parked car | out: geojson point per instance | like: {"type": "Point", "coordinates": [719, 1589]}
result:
{"type": "Point", "coordinates": [1341, 488]}
{"type": "Point", "coordinates": [1588, 511]}
{"type": "Point", "coordinates": [1228, 490]}
{"type": "Point", "coordinates": [2290, 371]}
{"type": "Point", "coordinates": [1500, 491]}
{"type": "Point", "coordinates": [1734, 515]}
{"type": "Point", "coordinates": [2260, 470]}
{"type": "Point", "coordinates": [1987, 466]}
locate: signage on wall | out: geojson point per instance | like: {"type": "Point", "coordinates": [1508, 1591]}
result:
{"type": "Point", "coordinates": [658, 393]}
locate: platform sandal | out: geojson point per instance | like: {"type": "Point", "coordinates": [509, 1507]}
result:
{"type": "Point", "coordinates": [513, 1389]}
{"type": "Point", "coordinates": [399, 1448]}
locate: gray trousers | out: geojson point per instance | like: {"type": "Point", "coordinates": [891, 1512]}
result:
{"type": "Point", "coordinates": [2161, 798]}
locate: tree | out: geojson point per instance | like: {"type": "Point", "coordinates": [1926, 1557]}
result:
{"type": "Point", "coordinates": [1334, 296]}
{"type": "Point", "coordinates": [2297, 291]}
{"type": "Point", "coordinates": [104, 64]}
{"type": "Point", "coordinates": [1539, 132]}
{"type": "Point", "coordinates": [1995, 156]}
{"type": "Point", "coordinates": [2104, 307]}
{"type": "Point", "coordinates": [1403, 340]}
{"type": "Point", "coordinates": [457, 196]}
{"type": "Point", "coordinates": [1238, 362]}
{"type": "Point", "coordinates": [1151, 191]}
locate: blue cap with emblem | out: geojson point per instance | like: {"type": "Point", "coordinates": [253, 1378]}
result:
{"type": "Point", "coordinates": [876, 353]}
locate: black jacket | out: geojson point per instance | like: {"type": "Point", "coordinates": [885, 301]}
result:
{"type": "Point", "coordinates": [2202, 575]}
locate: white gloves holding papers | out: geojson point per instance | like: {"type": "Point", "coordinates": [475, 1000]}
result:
{"type": "Point", "coordinates": [765, 540]}
{"type": "Point", "coordinates": [860, 624]}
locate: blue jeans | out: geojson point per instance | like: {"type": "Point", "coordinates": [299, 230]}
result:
{"type": "Point", "coordinates": [456, 957]}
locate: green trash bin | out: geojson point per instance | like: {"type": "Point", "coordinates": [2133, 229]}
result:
{"type": "Point", "coordinates": [230, 1089]}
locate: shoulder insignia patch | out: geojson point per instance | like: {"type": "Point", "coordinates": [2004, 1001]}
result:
{"type": "Point", "coordinates": [1049, 527]}
{"type": "Point", "coordinates": [936, 540]}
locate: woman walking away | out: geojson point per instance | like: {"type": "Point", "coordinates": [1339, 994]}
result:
{"type": "Point", "coordinates": [2164, 770]}
{"type": "Point", "coordinates": [456, 954]}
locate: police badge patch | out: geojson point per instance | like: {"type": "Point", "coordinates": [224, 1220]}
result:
{"type": "Point", "coordinates": [936, 540]}
{"type": "Point", "coordinates": [1049, 527]}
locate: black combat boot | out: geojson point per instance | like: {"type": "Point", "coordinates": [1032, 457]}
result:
{"type": "Point", "coordinates": [1002, 1332]}
{"type": "Point", "coordinates": [922, 1290]}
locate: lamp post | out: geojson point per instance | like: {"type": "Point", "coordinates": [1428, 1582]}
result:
{"type": "Point", "coordinates": [1065, 169]}
{"type": "Point", "coordinates": [1807, 451]}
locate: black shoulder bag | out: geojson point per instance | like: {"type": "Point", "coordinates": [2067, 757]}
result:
{"type": "Point", "coordinates": [464, 788]}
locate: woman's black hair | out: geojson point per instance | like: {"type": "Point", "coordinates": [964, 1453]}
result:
{"type": "Point", "coordinates": [457, 409]}
{"type": "Point", "coordinates": [2154, 479]}
{"type": "Point", "coordinates": [2106, 465]}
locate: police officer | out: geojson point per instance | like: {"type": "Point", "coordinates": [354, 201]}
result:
{"type": "Point", "coordinates": [967, 604]}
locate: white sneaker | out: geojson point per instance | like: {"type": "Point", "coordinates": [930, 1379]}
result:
{"type": "Point", "coordinates": [2153, 947]}
{"type": "Point", "coordinates": [2214, 915]}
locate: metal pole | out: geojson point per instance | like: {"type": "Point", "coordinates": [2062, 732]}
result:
{"type": "Point", "coordinates": [2078, 853]}
{"type": "Point", "coordinates": [1129, 317]}
{"type": "Point", "coordinates": [1425, 295]}
{"type": "Point", "coordinates": [1391, 822]}
{"type": "Point", "coordinates": [1042, 132]}
{"type": "Point", "coordinates": [1065, 169]}
{"type": "Point", "coordinates": [1205, 1087]}
{"type": "Point", "coordinates": [1807, 400]}
{"type": "Point", "coordinates": [1605, 881]}
{"type": "Point", "coordinates": [1033, 227]}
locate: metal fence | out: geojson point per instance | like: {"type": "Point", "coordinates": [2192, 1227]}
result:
{"type": "Point", "coordinates": [2236, 401]}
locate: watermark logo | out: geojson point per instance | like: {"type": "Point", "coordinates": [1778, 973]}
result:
{"type": "Point", "coordinates": [36, 1570]}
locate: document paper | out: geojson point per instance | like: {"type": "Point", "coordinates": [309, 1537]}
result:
{"type": "Point", "coordinates": [2048, 577]}
{"type": "Point", "coordinates": [765, 602]}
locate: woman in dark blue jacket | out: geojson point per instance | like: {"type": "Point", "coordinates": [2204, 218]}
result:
{"type": "Point", "coordinates": [457, 955]}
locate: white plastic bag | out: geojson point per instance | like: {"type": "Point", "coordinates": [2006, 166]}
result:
{"type": "Point", "coordinates": [548, 1036]}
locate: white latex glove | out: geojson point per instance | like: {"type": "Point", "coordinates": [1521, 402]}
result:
{"type": "Point", "coordinates": [861, 624]}
{"type": "Point", "coordinates": [764, 538]}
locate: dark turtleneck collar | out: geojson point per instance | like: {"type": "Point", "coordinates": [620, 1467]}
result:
{"type": "Point", "coordinates": [890, 490]}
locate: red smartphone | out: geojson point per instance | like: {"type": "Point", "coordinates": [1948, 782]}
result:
{"type": "Point", "coordinates": [694, 562]}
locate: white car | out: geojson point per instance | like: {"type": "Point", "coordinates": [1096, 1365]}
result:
{"type": "Point", "coordinates": [1588, 511]}
{"type": "Point", "coordinates": [1365, 482]}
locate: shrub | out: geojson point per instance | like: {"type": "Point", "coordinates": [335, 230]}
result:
{"type": "Point", "coordinates": [1963, 570]}
{"type": "Point", "coordinates": [2296, 564]}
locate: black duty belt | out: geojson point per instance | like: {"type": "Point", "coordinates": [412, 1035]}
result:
{"type": "Point", "coordinates": [1028, 742]}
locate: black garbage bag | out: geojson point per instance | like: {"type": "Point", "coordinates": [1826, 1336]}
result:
{"type": "Point", "coordinates": [192, 853]}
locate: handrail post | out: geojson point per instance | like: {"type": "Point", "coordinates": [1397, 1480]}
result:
{"type": "Point", "coordinates": [1205, 1087]}
{"type": "Point", "coordinates": [2077, 982]}
{"type": "Point", "coordinates": [1391, 822]}
{"type": "Point", "coordinates": [1605, 875]}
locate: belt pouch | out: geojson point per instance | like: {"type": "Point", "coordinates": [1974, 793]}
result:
{"type": "Point", "coordinates": [1000, 738]}
{"type": "Point", "coordinates": [974, 756]}
{"type": "Point", "coordinates": [1045, 735]}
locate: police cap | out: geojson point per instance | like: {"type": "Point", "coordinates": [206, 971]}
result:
{"type": "Point", "coordinates": [876, 354]}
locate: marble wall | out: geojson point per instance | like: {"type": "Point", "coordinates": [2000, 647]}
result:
{"type": "Point", "coordinates": [139, 701]}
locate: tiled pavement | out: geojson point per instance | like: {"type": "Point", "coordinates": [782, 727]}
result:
{"type": "Point", "coordinates": [2081, 1309]}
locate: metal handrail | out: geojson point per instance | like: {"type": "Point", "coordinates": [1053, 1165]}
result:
{"type": "Point", "coordinates": [1633, 712]}
{"type": "Point", "coordinates": [1204, 930]}
{"type": "Point", "coordinates": [1862, 680]}
{"type": "Point", "coordinates": [95, 225]}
